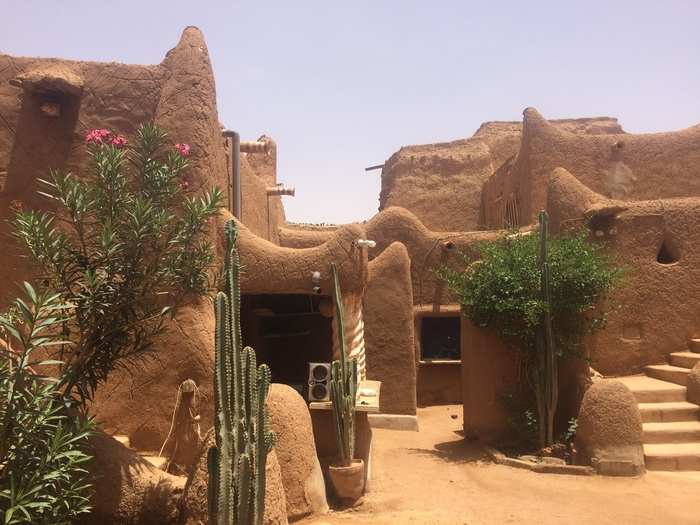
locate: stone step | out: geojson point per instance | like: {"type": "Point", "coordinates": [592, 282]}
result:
{"type": "Point", "coordinates": [685, 359]}
{"type": "Point", "coordinates": [672, 374]}
{"type": "Point", "coordinates": [650, 390]}
{"type": "Point", "coordinates": [673, 432]}
{"type": "Point", "coordinates": [672, 456]}
{"type": "Point", "coordinates": [668, 412]}
{"type": "Point", "coordinates": [124, 440]}
{"type": "Point", "coordinates": [695, 345]}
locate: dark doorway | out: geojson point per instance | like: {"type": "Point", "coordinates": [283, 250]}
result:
{"type": "Point", "coordinates": [287, 331]}
{"type": "Point", "coordinates": [440, 338]}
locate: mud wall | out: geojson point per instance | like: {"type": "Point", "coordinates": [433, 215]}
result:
{"type": "Point", "coordinates": [178, 95]}
{"type": "Point", "coordinates": [488, 371]}
{"type": "Point", "coordinates": [428, 250]}
{"type": "Point", "coordinates": [138, 402]}
{"type": "Point", "coordinates": [441, 183]}
{"type": "Point", "coordinates": [656, 308]}
{"type": "Point", "coordinates": [262, 213]}
{"type": "Point", "coordinates": [621, 166]}
{"type": "Point", "coordinates": [388, 313]}
{"type": "Point", "coordinates": [304, 236]}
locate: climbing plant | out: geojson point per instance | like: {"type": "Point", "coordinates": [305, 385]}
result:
{"type": "Point", "coordinates": [124, 245]}
{"type": "Point", "coordinates": [502, 289]}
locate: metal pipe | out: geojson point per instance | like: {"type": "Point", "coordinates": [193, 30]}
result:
{"type": "Point", "coordinates": [235, 181]}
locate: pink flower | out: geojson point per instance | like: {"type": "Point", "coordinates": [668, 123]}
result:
{"type": "Point", "coordinates": [119, 141]}
{"type": "Point", "coordinates": [183, 149]}
{"type": "Point", "coordinates": [184, 185]}
{"type": "Point", "coordinates": [97, 136]}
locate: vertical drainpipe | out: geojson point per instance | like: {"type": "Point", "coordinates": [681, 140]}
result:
{"type": "Point", "coordinates": [235, 180]}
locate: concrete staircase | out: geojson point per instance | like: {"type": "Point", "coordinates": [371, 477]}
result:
{"type": "Point", "coordinates": [671, 424]}
{"type": "Point", "coordinates": [151, 457]}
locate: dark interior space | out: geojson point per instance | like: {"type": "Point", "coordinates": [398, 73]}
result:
{"type": "Point", "coordinates": [668, 253]}
{"type": "Point", "coordinates": [440, 338]}
{"type": "Point", "coordinates": [287, 332]}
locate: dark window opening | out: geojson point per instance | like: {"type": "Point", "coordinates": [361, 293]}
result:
{"type": "Point", "coordinates": [668, 253]}
{"type": "Point", "coordinates": [440, 338]}
{"type": "Point", "coordinates": [288, 331]}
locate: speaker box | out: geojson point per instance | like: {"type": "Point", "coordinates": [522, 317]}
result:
{"type": "Point", "coordinates": [319, 381]}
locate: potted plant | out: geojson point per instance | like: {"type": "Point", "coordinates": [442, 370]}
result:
{"type": "Point", "coordinates": [348, 474]}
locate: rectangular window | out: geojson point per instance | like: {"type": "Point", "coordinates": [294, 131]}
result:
{"type": "Point", "coordinates": [440, 338]}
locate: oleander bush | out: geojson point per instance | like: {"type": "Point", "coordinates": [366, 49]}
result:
{"type": "Point", "coordinates": [42, 476]}
{"type": "Point", "coordinates": [124, 245]}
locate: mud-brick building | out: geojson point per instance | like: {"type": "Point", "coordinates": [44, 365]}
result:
{"type": "Point", "coordinates": [637, 193]}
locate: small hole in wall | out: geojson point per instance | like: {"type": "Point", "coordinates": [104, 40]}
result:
{"type": "Point", "coordinates": [668, 253]}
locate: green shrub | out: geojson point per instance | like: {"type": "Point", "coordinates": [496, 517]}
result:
{"type": "Point", "coordinates": [124, 246]}
{"type": "Point", "coordinates": [42, 479]}
{"type": "Point", "coordinates": [501, 290]}
{"type": "Point", "coordinates": [543, 318]}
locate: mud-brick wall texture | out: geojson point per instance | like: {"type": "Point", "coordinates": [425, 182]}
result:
{"type": "Point", "coordinates": [388, 314]}
{"type": "Point", "coordinates": [441, 183]}
{"type": "Point", "coordinates": [655, 309]}
{"type": "Point", "coordinates": [178, 95]}
{"type": "Point", "coordinates": [620, 165]}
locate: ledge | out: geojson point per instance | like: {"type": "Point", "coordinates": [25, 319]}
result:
{"type": "Point", "coordinates": [365, 403]}
{"type": "Point", "coordinates": [394, 421]}
{"type": "Point", "coordinates": [440, 362]}
{"type": "Point", "coordinates": [543, 468]}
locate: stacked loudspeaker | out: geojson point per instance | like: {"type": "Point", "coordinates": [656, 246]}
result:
{"type": "Point", "coordinates": [319, 381]}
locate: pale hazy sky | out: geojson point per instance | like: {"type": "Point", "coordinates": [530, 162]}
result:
{"type": "Point", "coordinates": [341, 86]}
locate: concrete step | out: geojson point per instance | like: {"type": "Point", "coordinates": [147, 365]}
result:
{"type": "Point", "coordinates": [685, 359]}
{"type": "Point", "coordinates": [695, 345]}
{"type": "Point", "coordinates": [674, 456]}
{"type": "Point", "coordinates": [673, 432]}
{"type": "Point", "coordinates": [668, 412]}
{"type": "Point", "coordinates": [650, 390]}
{"type": "Point", "coordinates": [124, 440]}
{"type": "Point", "coordinates": [672, 374]}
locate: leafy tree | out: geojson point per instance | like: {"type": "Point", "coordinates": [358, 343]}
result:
{"type": "Point", "coordinates": [123, 247]}
{"type": "Point", "coordinates": [42, 479]}
{"type": "Point", "coordinates": [502, 289]}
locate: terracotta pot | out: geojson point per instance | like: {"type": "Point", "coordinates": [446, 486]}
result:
{"type": "Point", "coordinates": [349, 482]}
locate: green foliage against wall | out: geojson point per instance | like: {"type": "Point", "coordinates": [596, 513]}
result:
{"type": "Point", "coordinates": [124, 245]}
{"type": "Point", "coordinates": [42, 475]}
{"type": "Point", "coordinates": [501, 290]}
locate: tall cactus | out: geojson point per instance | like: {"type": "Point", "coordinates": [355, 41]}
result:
{"type": "Point", "coordinates": [343, 385]}
{"type": "Point", "coordinates": [237, 462]}
{"type": "Point", "coordinates": [547, 380]}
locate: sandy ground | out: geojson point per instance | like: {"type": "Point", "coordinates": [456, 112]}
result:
{"type": "Point", "coordinates": [435, 477]}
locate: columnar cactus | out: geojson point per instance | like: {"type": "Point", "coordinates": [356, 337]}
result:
{"type": "Point", "coordinates": [243, 439]}
{"type": "Point", "coordinates": [343, 385]}
{"type": "Point", "coordinates": [547, 373]}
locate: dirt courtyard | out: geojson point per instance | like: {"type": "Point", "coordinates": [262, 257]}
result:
{"type": "Point", "coordinates": [435, 477]}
